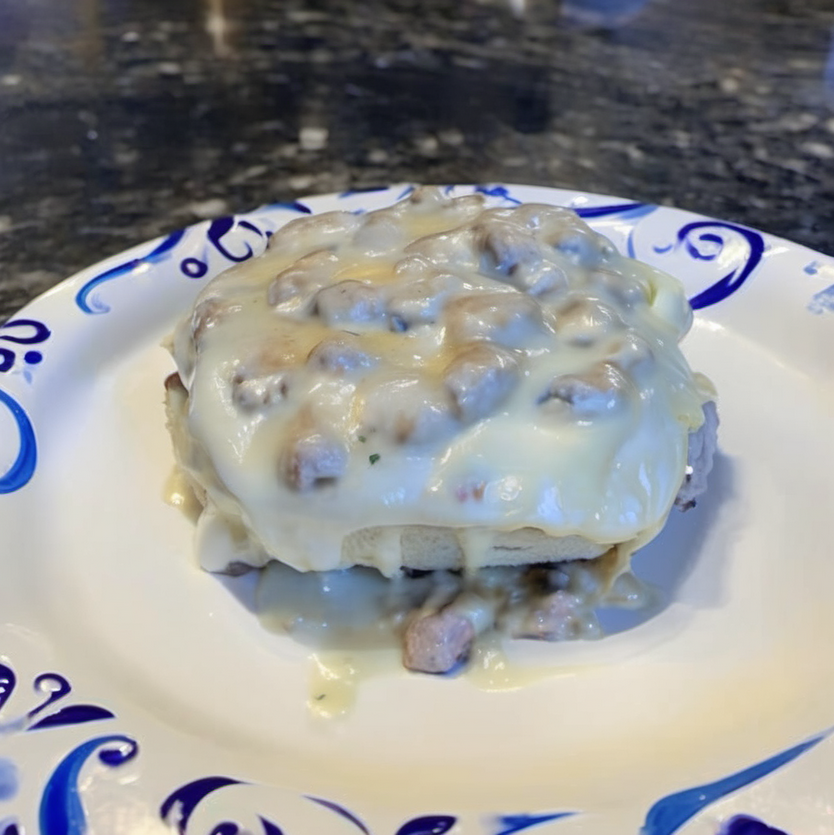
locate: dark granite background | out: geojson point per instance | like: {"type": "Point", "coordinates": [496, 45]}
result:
{"type": "Point", "coordinates": [123, 119]}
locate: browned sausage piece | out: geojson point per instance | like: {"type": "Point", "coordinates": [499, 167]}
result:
{"type": "Point", "coordinates": [420, 300]}
{"type": "Point", "coordinates": [585, 321]}
{"type": "Point", "coordinates": [301, 280]}
{"type": "Point", "coordinates": [510, 253]}
{"type": "Point", "coordinates": [311, 460]}
{"type": "Point", "coordinates": [349, 302]}
{"type": "Point", "coordinates": [323, 229]}
{"type": "Point", "coordinates": [207, 314]}
{"type": "Point", "coordinates": [504, 247]}
{"type": "Point", "coordinates": [479, 379]}
{"type": "Point", "coordinates": [510, 319]}
{"type": "Point", "coordinates": [455, 251]}
{"type": "Point", "coordinates": [603, 390]}
{"type": "Point", "coordinates": [579, 244]}
{"type": "Point", "coordinates": [264, 378]}
{"type": "Point", "coordinates": [340, 354]}
{"type": "Point", "coordinates": [258, 392]}
{"type": "Point", "coordinates": [435, 643]}
{"type": "Point", "coordinates": [703, 443]}
{"type": "Point", "coordinates": [174, 384]}
{"type": "Point", "coordinates": [408, 410]}
{"type": "Point", "coordinates": [560, 616]}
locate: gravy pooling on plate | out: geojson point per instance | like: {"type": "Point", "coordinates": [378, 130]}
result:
{"type": "Point", "coordinates": [436, 386]}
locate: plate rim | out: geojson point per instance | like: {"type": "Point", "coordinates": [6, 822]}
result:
{"type": "Point", "coordinates": [22, 387]}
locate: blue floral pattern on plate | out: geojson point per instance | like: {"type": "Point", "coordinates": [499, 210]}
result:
{"type": "Point", "coordinates": [727, 257]}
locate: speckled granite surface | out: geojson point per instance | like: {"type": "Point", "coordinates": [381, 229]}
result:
{"type": "Point", "coordinates": [123, 119]}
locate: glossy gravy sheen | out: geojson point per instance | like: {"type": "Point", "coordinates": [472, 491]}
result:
{"type": "Point", "coordinates": [435, 364]}
{"type": "Point", "coordinates": [352, 621]}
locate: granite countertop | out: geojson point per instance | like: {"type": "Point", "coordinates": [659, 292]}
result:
{"type": "Point", "coordinates": [124, 119]}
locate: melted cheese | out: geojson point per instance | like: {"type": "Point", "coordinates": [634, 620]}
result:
{"type": "Point", "coordinates": [576, 424]}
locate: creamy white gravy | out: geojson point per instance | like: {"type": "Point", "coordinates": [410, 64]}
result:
{"type": "Point", "coordinates": [434, 363]}
{"type": "Point", "coordinates": [353, 621]}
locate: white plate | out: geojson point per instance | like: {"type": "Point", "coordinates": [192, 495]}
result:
{"type": "Point", "coordinates": [141, 695]}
